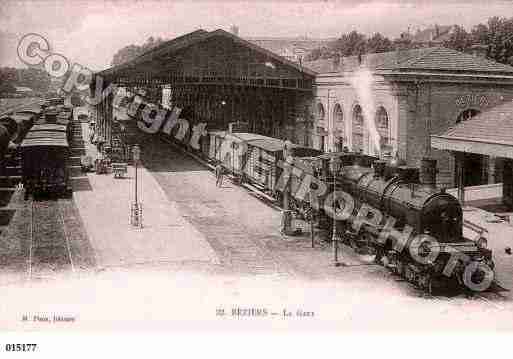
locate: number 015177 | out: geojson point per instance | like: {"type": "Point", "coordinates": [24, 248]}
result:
{"type": "Point", "coordinates": [20, 347]}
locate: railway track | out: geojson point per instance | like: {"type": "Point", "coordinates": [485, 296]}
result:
{"type": "Point", "coordinates": [49, 246]}
{"type": "Point", "coordinates": [491, 298]}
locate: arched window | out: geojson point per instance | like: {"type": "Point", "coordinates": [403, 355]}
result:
{"type": "Point", "coordinates": [320, 111]}
{"type": "Point", "coordinates": [467, 115]}
{"type": "Point", "coordinates": [338, 115]}
{"type": "Point", "coordinates": [381, 118]}
{"type": "Point", "coordinates": [383, 127]}
{"type": "Point", "coordinates": [338, 124]}
{"type": "Point", "coordinates": [357, 132]}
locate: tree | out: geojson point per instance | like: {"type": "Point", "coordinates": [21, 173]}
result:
{"type": "Point", "coordinates": [6, 87]}
{"type": "Point", "coordinates": [350, 44]}
{"type": "Point", "coordinates": [378, 43]}
{"type": "Point", "coordinates": [459, 39]}
{"type": "Point", "coordinates": [36, 79]}
{"type": "Point", "coordinates": [130, 52]}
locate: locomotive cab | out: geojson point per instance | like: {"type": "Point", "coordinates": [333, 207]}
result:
{"type": "Point", "coordinates": [442, 218]}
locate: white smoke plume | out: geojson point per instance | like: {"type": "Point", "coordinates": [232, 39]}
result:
{"type": "Point", "coordinates": [362, 82]}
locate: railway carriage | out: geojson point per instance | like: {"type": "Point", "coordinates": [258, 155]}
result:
{"type": "Point", "coordinates": [45, 153]}
{"type": "Point", "coordinates": [251, 157]}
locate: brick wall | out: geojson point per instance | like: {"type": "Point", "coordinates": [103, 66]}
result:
{"type": "Point", "coordinates": [433, 108]}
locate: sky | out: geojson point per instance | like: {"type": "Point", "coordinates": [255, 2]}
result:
{"type": "Point", "coordinates": [89, 32]}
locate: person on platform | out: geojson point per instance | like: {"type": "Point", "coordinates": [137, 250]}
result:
{"type": "Point", "coordinates": [219, 174]}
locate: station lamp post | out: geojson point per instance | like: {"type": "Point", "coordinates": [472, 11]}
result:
{"type": "Point", "coordinates": [286, 223]}
{"type": "Point", "coordinates": [334, 168]}
{"type": "Point", "coordinates": [136, 209]}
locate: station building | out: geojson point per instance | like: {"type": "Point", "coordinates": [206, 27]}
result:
{"type": "Point", "coordinates": [410, 95]}
{"type": "Point", "coordinates": [215, 78]}
{"type": "Point", "coordinates": [218, 78]}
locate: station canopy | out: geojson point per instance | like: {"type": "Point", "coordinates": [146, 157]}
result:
{"type": "Point", "coordinates": [217, 57]}
{"type": "Point", "coordinates": [489, 133]}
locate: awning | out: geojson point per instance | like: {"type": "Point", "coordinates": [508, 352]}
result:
{"type": "Point", "coordinates": [489, 133]}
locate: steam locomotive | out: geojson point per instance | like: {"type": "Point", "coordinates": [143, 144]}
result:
{"type": "Point", "coordinates": [409, 196]}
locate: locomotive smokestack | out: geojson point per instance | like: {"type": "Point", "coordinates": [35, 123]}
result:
{"type": "Point", "coordinates": [379, 168]}
{"type": "Point", "coordinates": [428, 171]}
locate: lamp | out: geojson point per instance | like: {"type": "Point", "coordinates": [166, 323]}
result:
{"type": "Point", "coordinates": [334, 168]}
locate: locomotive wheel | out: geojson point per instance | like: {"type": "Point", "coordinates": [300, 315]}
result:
{"type": "Point", "coordinates": [429, 286]}
{"type": "Point", "coordinates": [380, 254]}
{"type": "Point", "coordinates": [426, 282]}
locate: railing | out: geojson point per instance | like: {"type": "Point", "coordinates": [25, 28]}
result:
{"type": "Point", "coordinates": [480, 230]}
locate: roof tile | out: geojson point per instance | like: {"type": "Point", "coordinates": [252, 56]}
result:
{"type": "Point", "coordinates": [432, 58]}
{"type": "Point", "coordinates": [494, 125]}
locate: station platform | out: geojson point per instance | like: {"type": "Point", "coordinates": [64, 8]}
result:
{"type": "Point", "coordinates": [166, 236]}
{"type": "Point", "coordinates": [500, 237]}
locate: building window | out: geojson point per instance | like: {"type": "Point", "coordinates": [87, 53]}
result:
{"type": "Point", "coordinates": [467, 115]}
{"type": "Point", "coordinates": [338, 125]}
{"type": "Point", "coordinates": [383, 127]}
{"type": "Point", "coordinates": [382, 118]}
{"type": "Point", "coordinates": [338, 115]}
{"type": "Point", "coordinates": [320, 112]}
{"type": "Point", "coordinates": [357, 131]}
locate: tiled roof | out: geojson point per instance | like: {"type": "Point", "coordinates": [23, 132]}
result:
{"type": "Point", "coordinates": [167, 48]}
{"type": "Point", "coordinates": [444, 59]}
{"type": "Point", "coordinates": [430, 59]}
{"type": "Point", "coordinates": [494, 125]}
{"type": "Point", "coordinates": [372, 61]}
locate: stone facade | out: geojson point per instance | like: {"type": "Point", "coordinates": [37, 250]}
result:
{"type": "Point", "coordinates": [416, 106]}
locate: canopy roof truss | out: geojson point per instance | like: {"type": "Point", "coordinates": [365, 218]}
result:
{"type": "Point", "coordinates": [216, 57]}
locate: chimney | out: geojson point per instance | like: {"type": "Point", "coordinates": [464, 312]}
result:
{"type": "Point", "coordinates": [437, 31]}
{"type": "Point", "coordinates": [428, 171]}
{"type": "Point", "coordinates": [234, 30]}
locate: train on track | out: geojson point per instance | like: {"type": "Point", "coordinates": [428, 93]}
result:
{"type": "Point", "coordinates": [36, 139]}
{"type": "Point", "coordinates": [405, 196]}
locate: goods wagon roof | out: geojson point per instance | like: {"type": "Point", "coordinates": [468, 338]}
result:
{"type": "Point", "coordinates": [22, 117]}
{"type": "Point", "coordinates": [244, 136]}
{"type": "Point", "coordinates": [32, 110]}
{"type": "Point", "coordinates": [217, 133]}
{"type": "Point", "coordinates": [268, 144]}
{"type": "Point", "coordinates": [44, 142]}
{"type": "Point", "coordinates": [46, 134]}
{"type": "Point", "coordinates": [62, 121]}
{"type": "Point", "coordinates": [48, 127]}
